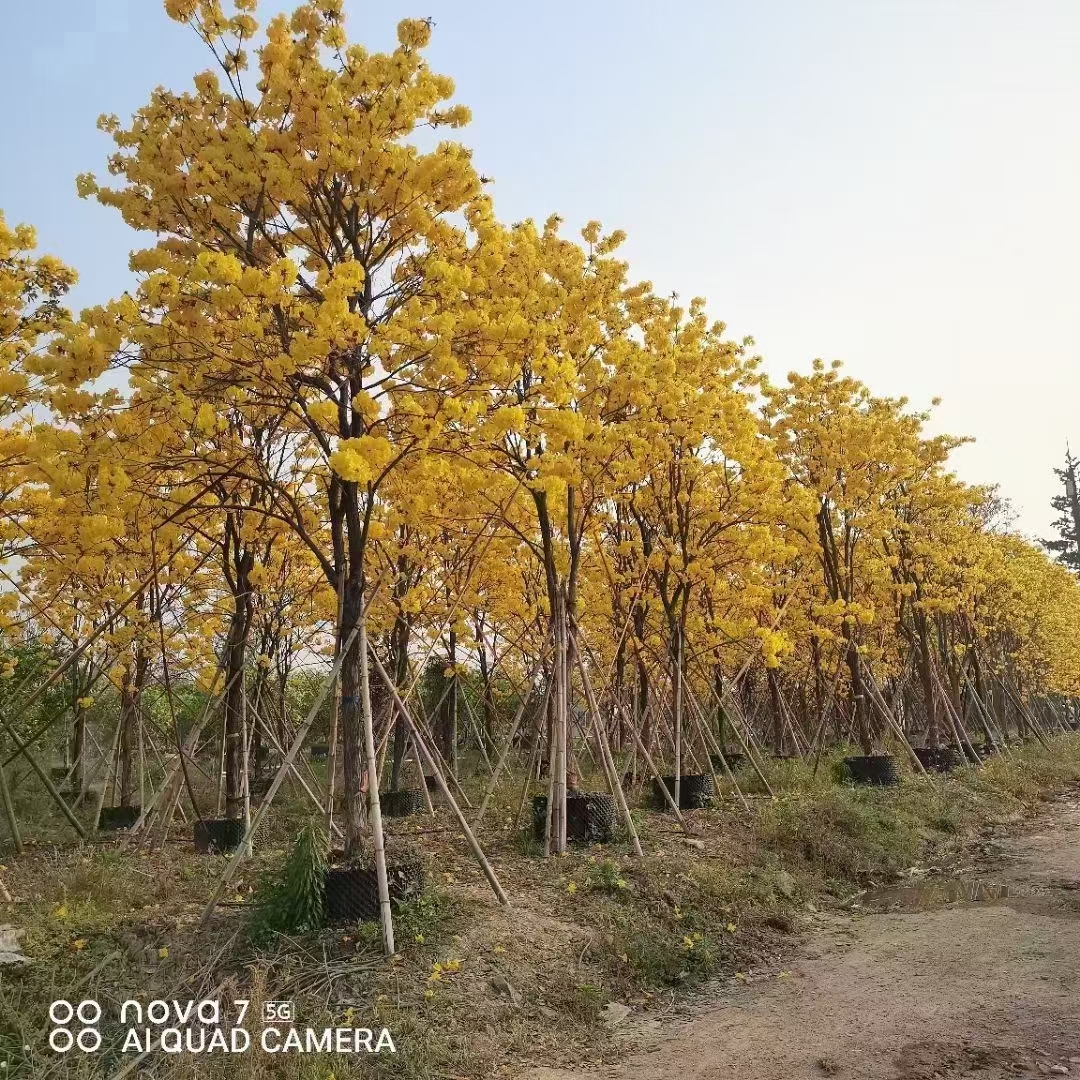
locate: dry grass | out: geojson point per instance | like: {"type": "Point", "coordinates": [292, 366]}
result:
{"type": "Point", "coordinates": [477, 990]}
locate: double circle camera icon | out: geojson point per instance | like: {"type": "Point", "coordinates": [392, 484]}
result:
{"type": "Point", "coordinates": [63, 1038]}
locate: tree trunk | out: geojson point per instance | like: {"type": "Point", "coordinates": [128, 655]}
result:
{"type": "Point", "coordinates": [351, 721]}
{"type": "Point", "coordinates": [642, 715]}
{"type": "Point", "coordinates": [130, 701]}
{"type": "Point", "coordinates": [236, 655]}
{"type": "Point", "coordinates": [779, 727]}
{"type": "Point", "coordinates": [544, 768]}
{"type": "Point", "coordinates": [926, 677]}
{"type": "Point", "coordinates": [127, 726]}
{"type": "Point", "coordinates": [677, 704]}
{"type": "Point", "coordinates": [721, 712]}
{"type": "Point", "coordinates": [78, 750]}
{"type": "Point", "coordinates": [858, 695]}
{"type": "Point", "coordinates": [819, 684]}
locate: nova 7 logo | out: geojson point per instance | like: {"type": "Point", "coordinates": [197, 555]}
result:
{"type": "Point", "coordinates": [64, 1016]}
{"type": "Point", "coordinates": [203, 1027]}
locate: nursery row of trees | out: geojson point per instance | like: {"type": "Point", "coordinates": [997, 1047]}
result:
{"type": "Point", "coordinates": [346, 414]}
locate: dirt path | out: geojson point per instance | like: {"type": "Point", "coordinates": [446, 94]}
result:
{"type": "Point", "coordinates": [982, 989]}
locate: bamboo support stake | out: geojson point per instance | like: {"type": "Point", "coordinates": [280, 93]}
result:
{"type": "Point", "coordinates": [609, 762]}
{"type": "Point", "coordinates": [731, 704]}
{"type": "Point", "coordinates": [819, 735]}
{"type": "Point", "coordinates": [382, 751]}
{"type": "Point", "coordinates": [423, 779]}
{"type": "Point", "coordinates": [709, 739]}
{"type": "Point", "coordinates": [221, 771]}
{"type": "Point", "coordinates": [712, 767]}
{"type": "Point", "coordinates": [744, 744]}
{"type": "Point", "coordinates": [331, 760]}
{"type": "Point", "coordinates": [898, 731]}
{"type": "Point", "coordinates": [991, 731]}
{"type": "Point", "coordinates": [433, 749]}
{"type": "Point", "coordinates": [374, 807]}
{"type": "Point", "coordinates": [677, 718]}
{"type": "Point", "coordinates": [959, 732]}
{"type": "Point", "coordinates": [266, 728]}
{"type": "Point", "coordinates": [110, 772]}
{"type": "Point", "coordinates": [505, 753]}
{"type": "Point", "coordinates": [549, 806]}
{"type": "Point", "coordinates": [142, 760]}
{"type": "Point", "coordinates": [9, 813]}
{"type": "Point", "coordinates": [477, 733]}
{"type": "Point", "coordinates": [76, 824]}
{"type": "Point", "coordinates": [422, 748]}
{"type": "Point", "coordinates": [298, 741]}
{"type": "Point", "coordinates": [557, 758]}
{"type": "Point", "coordinates": [335, 705]}
{"type": "Point", "coordinates": [530, 768]}
{"type": "Point", "coordinates": [73, 657]}
{"type": "Point", "coordinates": [245, 765]}
{"type": "Point", "coordinates": [791, 723]}
{"type": "Point", "coordinates": [165, 794]}
{"type": "Point", "coordinates": [1031, 721]}
{"type": "Point", "coordinates": [643, 750]}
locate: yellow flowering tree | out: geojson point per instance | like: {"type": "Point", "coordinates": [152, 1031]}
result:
{"type": "Point", "coordinates": [313, 264]}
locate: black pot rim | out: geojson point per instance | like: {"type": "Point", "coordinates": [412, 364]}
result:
{"type": "Point", "coordinates": [337, 876]}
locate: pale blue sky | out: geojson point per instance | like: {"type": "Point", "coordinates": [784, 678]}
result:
{"type": "Point", "coordinates": [894, 184]}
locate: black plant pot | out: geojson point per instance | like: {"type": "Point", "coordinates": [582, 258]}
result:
{"type": "Point", "coordinates": [695, 791]}
{"type": "Point", "coordinates": [118, 817]}
{"type": "Point", "coordinates": [319, 751]}
{"type": "Point", "coordinates": [940, 759]}
{"type": "Point", "coordinates": [875, 770]}
{"type": "Point", "coordinates": [218, 834]}
{"type": "Point", "coordinates": [352, 892]}
{"type": "Point", "coordinates": [735, 760]}
{"type": "Point", "coordinates": [590, 816]}
{"type": "Point", "coordinates": [402, 803]}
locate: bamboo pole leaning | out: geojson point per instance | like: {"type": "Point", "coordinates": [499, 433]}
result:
{"type": "Point", "coordinates": [642, 749]}
{"type": "Point", "coordinates": [9, 813]}
{"type": "Point", "coordinates": [519, 714]}
{"type": "Point", "coordinates": [429, 760]}
{"type": "Point", "coordinates": [609, 762]}
{"type": "Point", "coordinates": [386, 917]}
{"type": "Point", "coordinates": [240, 853]}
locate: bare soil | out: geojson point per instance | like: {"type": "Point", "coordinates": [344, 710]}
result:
{"type": "Point", "coordinates": [981, 982]}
